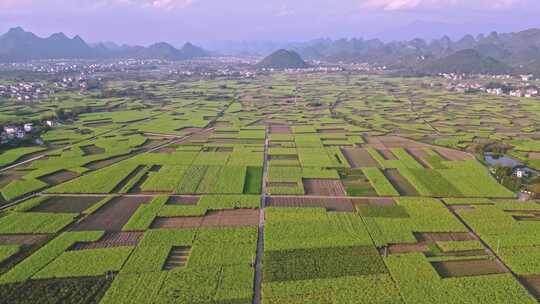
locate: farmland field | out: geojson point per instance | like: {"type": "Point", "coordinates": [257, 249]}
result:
{"type": "Point", "coordinates": [279, 188]}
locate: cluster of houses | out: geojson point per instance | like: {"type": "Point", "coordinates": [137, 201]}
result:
{"type": "Point", "coordinates": [510, 86]}
{"type": "Point", "coordinates": [25, 91]}
{"type": "Point", "coordinates": [525, 91]}
{"type": "Point", "coordinates": [19, 132]}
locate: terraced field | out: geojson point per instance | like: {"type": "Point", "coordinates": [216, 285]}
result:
{"type": "Point", "coordinates": [284, 188]}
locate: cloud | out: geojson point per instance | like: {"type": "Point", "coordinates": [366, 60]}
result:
{"type": "Point", "coordinates": [95, 4]}
{"type": "Point", "coordinates": [393, 5]}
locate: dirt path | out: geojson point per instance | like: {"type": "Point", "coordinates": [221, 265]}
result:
{"type": "Point", "coordinates": [257, 288]}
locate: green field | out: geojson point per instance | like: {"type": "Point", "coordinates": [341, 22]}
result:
{"type": "Point", "coordinates": [371, 188]}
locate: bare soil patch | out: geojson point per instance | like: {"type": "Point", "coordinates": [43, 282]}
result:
{"type": "Point", "coordinates": [22, 239]}
{"type": "Point", "coordinates": [113, 215]}
{"type": "Point", "coordinates": [219, 218]}
{"type": "Point", "coordinates": [280, 129]}
{"type": "Point", "coordinates": [59, 177]}
{"type": "Point", "coordinates": [183, 200]}
{"type": "Point", "coordinates": [400, 183]}
{"type": "Point", "coordinates": [9, 176]}
{"type": "Point", "coordinates": [534, 155]}
{"type": "Point", "coordinates": [92, 150]}
{"type": "Point", "coordinates": [532, 283]}
{"type": "Point", "coordinates": [419, 155]}
{"type": "Point", "coordinates": [358, 157]}
{"type": "Point", "coordinates": [325, 187]}
{"type": "Point", "coordinates": [452, 269]}
{"type": "Point", "coordinates": [433, 237]}
{"type": "Point", "coordinates": [376, 201]}
{"type": "Point", "coordinates": [111, 240]}
{"type": "Point", "coordinates": [66, 204]}
{"type": "Point", "coordinates": [330, 204]}
{"type": "Point", "coordinates": [387, 154]}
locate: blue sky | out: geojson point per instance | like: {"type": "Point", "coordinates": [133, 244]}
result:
{"type": "Point", "coordinates": [202, 21]}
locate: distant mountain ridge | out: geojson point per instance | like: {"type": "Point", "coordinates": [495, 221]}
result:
{"type": "Point", "coordinates": [18, 45]}
{"type": "Point", "coordinates": [467, 61]}
{"type": "Point", "coordinates": [519, 50]}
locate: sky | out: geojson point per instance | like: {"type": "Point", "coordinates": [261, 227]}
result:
{"type": "Point", "coordinates": [208, 22]}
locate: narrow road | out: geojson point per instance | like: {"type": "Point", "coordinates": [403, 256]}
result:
{"type": "Point", "coordinates": [257, 289]}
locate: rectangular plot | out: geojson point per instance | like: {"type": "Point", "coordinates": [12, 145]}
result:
{"type": "Point", "coordinates": [330, 204]}
{"type": "Point", "coordinates": [324, 187]}
{"type": "Point", "coordinates": [452, 269]}
{"type": "Point", "coordinates": [320, 263]}
{"type": "Point", "coordinates": [191, 179]}
{"type": "Point", "coordinates": [113, 215]}
{"type": "Point", "coordinates": [221, 218]}
{"type": "Point", "coordinates": [400, 183]}
{"type": "Point", "coordinates": [359, 158]}
{"type": "Point", "coordinates": [66, 204]}
{"type": "Point", "coordinates": [111, 240]}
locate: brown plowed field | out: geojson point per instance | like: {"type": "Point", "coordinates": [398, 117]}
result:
{"type": "Point", "coordinates": [387, 154]}
{"type": "Point", "coordinates": [452, 269]}
{"type": "Point", "coordinates": [92, 150]}
{"type": "Point", "coordinates": [532, 282]}
{"type": "Point", "coordinates": [59, 177]}
{"type": "Point", "coordinates": [433, 237]}
{"type": "Point", "coordinates": [110, 240]}
{"type": "Point", "coordinates": [280, 129]}
{"type": "Point", "coordinates": [183, 200]}
{"type": "Point", "coordinates": [390, 142]}
{"type": "Point", "coordinates": [66, 204]}
{"type": "Point", "coordinates": [113, 215]}
{"type": "Point", "coordinates": [221, 218]}
{"type": "Point", "coordinates": [419, 155]}
{"type": "Point", "coordinates": [359, 158]}
{"type": "Point", "coordinates": [22, 239]}
{"type": "Point", "coordinates": [330, 204]}
{"type": "Point", "coordinates": [376, 201]}
{"type": "Point", "coordinates": [325, 187]}
{"type": "Point", "coordinates": [400, 183]}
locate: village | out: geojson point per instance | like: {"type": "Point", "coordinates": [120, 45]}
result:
{"type": "Point", "coordinates": [498, 85]}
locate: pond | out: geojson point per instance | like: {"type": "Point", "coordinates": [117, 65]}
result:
{"type": "Point", "coordinates": [504, 161]}
{"type": "Point", "coordinates": [507, 161]}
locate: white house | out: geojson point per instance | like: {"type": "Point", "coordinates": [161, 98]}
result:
{"type": "Point", "coordinates": [28, 127]}
{"type": "Point", "coordinates": [10, 130]}
{"type": "Point", "coordinates": [526, 77]}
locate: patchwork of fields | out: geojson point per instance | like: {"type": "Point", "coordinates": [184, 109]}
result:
{"type": "Point", "coordinates": [284, 188]}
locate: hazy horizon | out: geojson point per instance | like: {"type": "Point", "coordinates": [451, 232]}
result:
{"type": "Point", "coordinates": [210, 23]}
